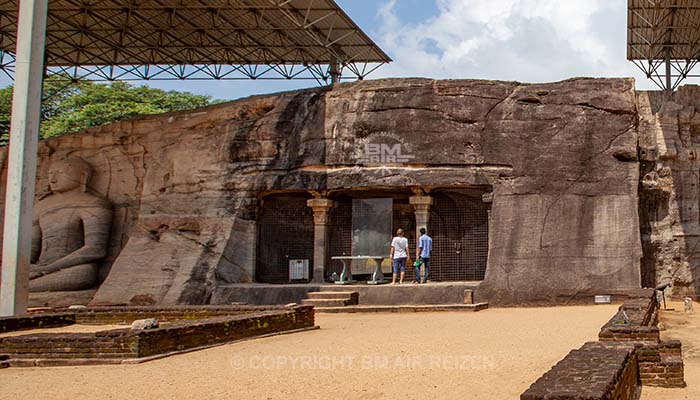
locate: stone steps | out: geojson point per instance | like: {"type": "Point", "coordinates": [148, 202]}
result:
{"type": "Point", "coordinates": [331, 299]}
{"type": "Point", "coordinates": [320, 303]}
{"type": "Point", "coordinates": [4, 361]}
{"type": "Point", "coordinates": [333, 295]}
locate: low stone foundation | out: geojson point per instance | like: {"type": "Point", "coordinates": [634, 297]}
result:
{"type": "Point", "coordinates": [34, 321]}
{"type": "Point", "coordinates": [369, 295]}
{"type": "Point", "coordinates": [194, 328]}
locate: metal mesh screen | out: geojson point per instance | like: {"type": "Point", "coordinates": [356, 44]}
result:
{"type": "Point", "coordinates": [459, 228]}
{"type": "Point", "coordinates": [340, 236]}
{"type": "Point", "coordinates": [286, 233]}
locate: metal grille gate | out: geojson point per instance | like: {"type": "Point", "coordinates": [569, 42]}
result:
{"type": "Point", "coordinates": [340, 242]}
{"type": "Point", "coordinates": [286, 232]}
{"type": "Point", "coordinates": [459, 228]}
{"type": "Point", "coordinates": [340, 236]}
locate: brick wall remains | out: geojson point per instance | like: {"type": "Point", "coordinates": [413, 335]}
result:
{"type": "Point", "coordinates": [35, 321]}
{"type": "Point", "coordinates": [661, 364]}
{"type": "Point", "coordinates": [101, 345]}
{"type": "Point", "coordinates": [126, 315]}
{"type": "Point", "coordinates": [635, 320]}
{"type": "Point", "coordinates": [110, 346]}
{"type": "Point", "coordinates": [220, 330]}
{"type": "Point", "coordinates": [596, 371]}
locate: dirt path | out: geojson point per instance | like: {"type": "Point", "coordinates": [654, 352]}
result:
{"type": "Point", "coordinates": [493, 354]}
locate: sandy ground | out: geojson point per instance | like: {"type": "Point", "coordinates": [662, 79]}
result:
{"type": "Point", "coordinates": [686, 328]}
{"type": "Point", "coordinates": [492, 354]}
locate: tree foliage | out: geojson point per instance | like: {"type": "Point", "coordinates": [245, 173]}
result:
{"type": "Point", "coordinates": [74, 106]}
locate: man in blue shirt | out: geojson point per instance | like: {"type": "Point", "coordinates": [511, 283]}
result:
{"type": "Point", "coordinates": [425, 246]}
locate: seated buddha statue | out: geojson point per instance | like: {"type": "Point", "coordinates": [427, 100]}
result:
{"type": "Point", "coordinates": [70, 231]}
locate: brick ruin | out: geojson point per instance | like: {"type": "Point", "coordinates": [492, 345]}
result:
{"type": "Point", "coordinates": [543, 193]}
{"type": "Point", "coordinates": [628, 355]}
{"type": "Point", "coordinates": [186, 328]}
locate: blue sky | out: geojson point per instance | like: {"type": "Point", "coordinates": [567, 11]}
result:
{"type": "Point", "coordinates": [521, 40]}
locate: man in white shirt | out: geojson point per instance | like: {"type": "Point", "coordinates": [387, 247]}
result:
{"type": "Point", "coordinates": [399, 255]}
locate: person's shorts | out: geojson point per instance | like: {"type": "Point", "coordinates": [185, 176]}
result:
{"type": "Point", "coordinates": [399, 264]}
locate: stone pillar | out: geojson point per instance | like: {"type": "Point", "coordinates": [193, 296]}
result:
{"type": "Point", "coordinates": [487, 198]}
{"type": "Point", "coordinates": [322, 208]}
{"type": "Point", "coordinates": [421, 205]}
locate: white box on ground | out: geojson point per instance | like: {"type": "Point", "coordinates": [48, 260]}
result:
{"type": "Point", "coordinates": [602, 299]}
{"type": "Point", "coordinates": [298, 270]}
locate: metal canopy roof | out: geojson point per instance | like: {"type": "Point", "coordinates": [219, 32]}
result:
{"type": "Point", "coordinates": [186, 39]}
{"type": "Point", "coordinates": [663, 39]}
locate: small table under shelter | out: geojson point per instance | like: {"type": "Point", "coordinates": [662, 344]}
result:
{"type": "Point", "coordinates": [346, 274]}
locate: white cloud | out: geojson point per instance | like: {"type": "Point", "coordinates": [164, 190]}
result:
{"type": "Point", "coordinates": [523, 40]}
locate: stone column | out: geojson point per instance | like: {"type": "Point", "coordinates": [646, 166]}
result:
{"type": "Point", "coordinates": [421, 205]}
{"type": "Point", "coordinates": [487, 198]}
{"type": "Point", "coordinates": [322, 208]}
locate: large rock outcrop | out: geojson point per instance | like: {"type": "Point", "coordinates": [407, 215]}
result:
{"type": "Point", "coordinates": [560, 160]}
{"type": "Point", "coordinates": [670, 199]}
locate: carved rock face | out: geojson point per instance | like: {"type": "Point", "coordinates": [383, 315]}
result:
{"type": "Point", "coordinates": [560, 159]}
{"type": "Point", "coordinates": [670, 203]}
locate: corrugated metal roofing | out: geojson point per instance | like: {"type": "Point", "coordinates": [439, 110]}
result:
{"type": "Point", "coordinates": [149, 32]}
{"type": "Point", "coordinates": [656, 25]}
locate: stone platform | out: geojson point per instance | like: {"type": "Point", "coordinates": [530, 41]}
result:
{"type": "Point", "coordinates": [434, 293]}
{"type": "Point", "coordinates": [403, 308]}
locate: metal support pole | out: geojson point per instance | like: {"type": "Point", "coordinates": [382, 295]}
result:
{"type": "Point", "coordinates": [669, 86]}
{"type": "Point", "coordinates": [335, 72]}
{"type": "Point", "coordinates": [21, 171]}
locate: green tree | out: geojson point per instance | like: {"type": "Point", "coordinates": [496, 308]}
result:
{"type": "Point", "coordinates": [5, 110]}
{"type": "Point", "coordinates": [70, 107]}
